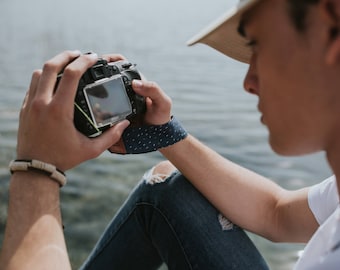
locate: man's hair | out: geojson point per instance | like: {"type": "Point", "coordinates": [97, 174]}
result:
{"type": "Point", "coordinates": [298, 9]}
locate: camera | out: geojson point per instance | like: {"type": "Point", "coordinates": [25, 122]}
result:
{"type": "Point", "coordinates": [105, 97]}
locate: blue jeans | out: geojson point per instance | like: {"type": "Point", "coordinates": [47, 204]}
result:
{"type": "Point", "coordinates": [172, 222]}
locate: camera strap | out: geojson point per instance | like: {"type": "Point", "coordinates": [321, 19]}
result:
{"type": "Point", "coordinates": [144, 139]}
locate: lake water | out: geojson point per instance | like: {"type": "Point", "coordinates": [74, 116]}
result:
{"type": "Point", "coordinates": [205, 86]}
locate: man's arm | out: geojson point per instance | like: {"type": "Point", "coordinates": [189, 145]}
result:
{"type": "Point", "coordinates": [34, 236]}
{"type": "Point", "coordinates": [249, 200]}
{"type": "Point", "coordinates": [246, 198]}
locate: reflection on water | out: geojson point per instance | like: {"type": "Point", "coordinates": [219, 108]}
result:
{"type": "Point", "coordinates": [206, 89]}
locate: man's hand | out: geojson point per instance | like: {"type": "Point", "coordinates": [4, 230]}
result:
{"type": "Point", "coordinates": [158, 108]}
{"type": "Point", "coordinates": [46, 128]}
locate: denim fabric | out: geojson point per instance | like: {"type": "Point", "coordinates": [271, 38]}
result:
{"type": "Point", "coordinates": [172, 222]}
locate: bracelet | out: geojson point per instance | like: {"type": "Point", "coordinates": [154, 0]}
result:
{"type": "Point", "coordinates": [38, 166]}
{"type": "Point", "coordinates": [146, 139]}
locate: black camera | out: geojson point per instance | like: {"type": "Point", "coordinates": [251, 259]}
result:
{"type": "Point", "coordinates": [105, 97]}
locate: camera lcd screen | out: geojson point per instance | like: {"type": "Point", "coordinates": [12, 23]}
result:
{"type": "Point", "coordinates": [108, 101]}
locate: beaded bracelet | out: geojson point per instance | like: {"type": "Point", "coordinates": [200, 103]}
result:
{"type": "Point", "coordinates": [38, 166]}
{"type": "Point", "coordinates": [146, 139]}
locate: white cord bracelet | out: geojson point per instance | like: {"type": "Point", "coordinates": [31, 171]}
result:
{"type": "Point", "coordinates": [39, 166]}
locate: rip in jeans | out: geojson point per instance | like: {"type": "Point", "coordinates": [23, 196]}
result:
{"type": "Point", "coordinates": [225, 223]}
{"type": "Point", "coordinates": [152, 179]}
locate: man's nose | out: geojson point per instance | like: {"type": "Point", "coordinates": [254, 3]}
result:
{"type": "Point", "coordinates": [250, 82]}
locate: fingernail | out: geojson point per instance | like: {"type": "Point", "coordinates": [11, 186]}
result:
{"type": "Point", "coordinates": [126, 123]}
{"type": "Point", "coordinates": [76, 53]}
{"type": "Point", "coordinates": [137, 84]}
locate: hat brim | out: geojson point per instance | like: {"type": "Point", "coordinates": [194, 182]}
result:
{"type": "Point", "coordinates": [223, 34]}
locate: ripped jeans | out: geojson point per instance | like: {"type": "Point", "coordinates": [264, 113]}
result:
{"type": "Point", "coordinates": [170, 221]}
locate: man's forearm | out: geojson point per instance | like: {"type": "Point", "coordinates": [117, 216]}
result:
{"type": "Point", "coordinates": [34, 235]}
{"type": "Point", "coordinates": [244, 197]}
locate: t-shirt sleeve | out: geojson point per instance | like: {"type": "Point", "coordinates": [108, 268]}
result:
{"type": "Point", "coordinates": [323, 199]}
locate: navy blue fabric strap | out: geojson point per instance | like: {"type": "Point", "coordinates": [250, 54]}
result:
{"type": "Point", "coordinates": [146, 139]}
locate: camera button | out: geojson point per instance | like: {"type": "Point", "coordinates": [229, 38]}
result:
{"type": "Point", "coordinates": [127, 65]}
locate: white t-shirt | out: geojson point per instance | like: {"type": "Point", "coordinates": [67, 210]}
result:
{"type": "Point", "coordinates": [323, 250]}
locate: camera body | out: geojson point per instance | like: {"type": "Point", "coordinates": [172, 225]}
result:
{"type": "Point", "coordinates": [105, 97]}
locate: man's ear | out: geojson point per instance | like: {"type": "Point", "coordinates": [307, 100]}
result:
{"type": "Point", "coordinates": [331, 13]}
{"type": "Point", "coordinates": [333, 54]}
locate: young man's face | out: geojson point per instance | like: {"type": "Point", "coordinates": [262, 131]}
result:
{"type": "Point", "coordinates": [287, 73]}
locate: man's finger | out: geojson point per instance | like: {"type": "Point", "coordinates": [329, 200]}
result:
{"type": "Point", "coordinates": [50, 72]}
{"type": "Point", "coordinates": [69, 81]}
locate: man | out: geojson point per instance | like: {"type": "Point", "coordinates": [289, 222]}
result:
{"type": "Point", "coordinates": [293, 50]}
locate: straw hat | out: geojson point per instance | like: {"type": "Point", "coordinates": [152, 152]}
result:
{"type": "Point", "coordinates": [223, 36]}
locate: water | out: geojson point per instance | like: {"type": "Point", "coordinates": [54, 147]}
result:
{"type": "Point", "coordinates": [205, 86]}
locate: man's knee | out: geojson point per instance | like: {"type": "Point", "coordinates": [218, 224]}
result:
{"type": "Point", "coordinates": [164, 168]}
{"type": "Point", "coordinates": [160, 172]}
